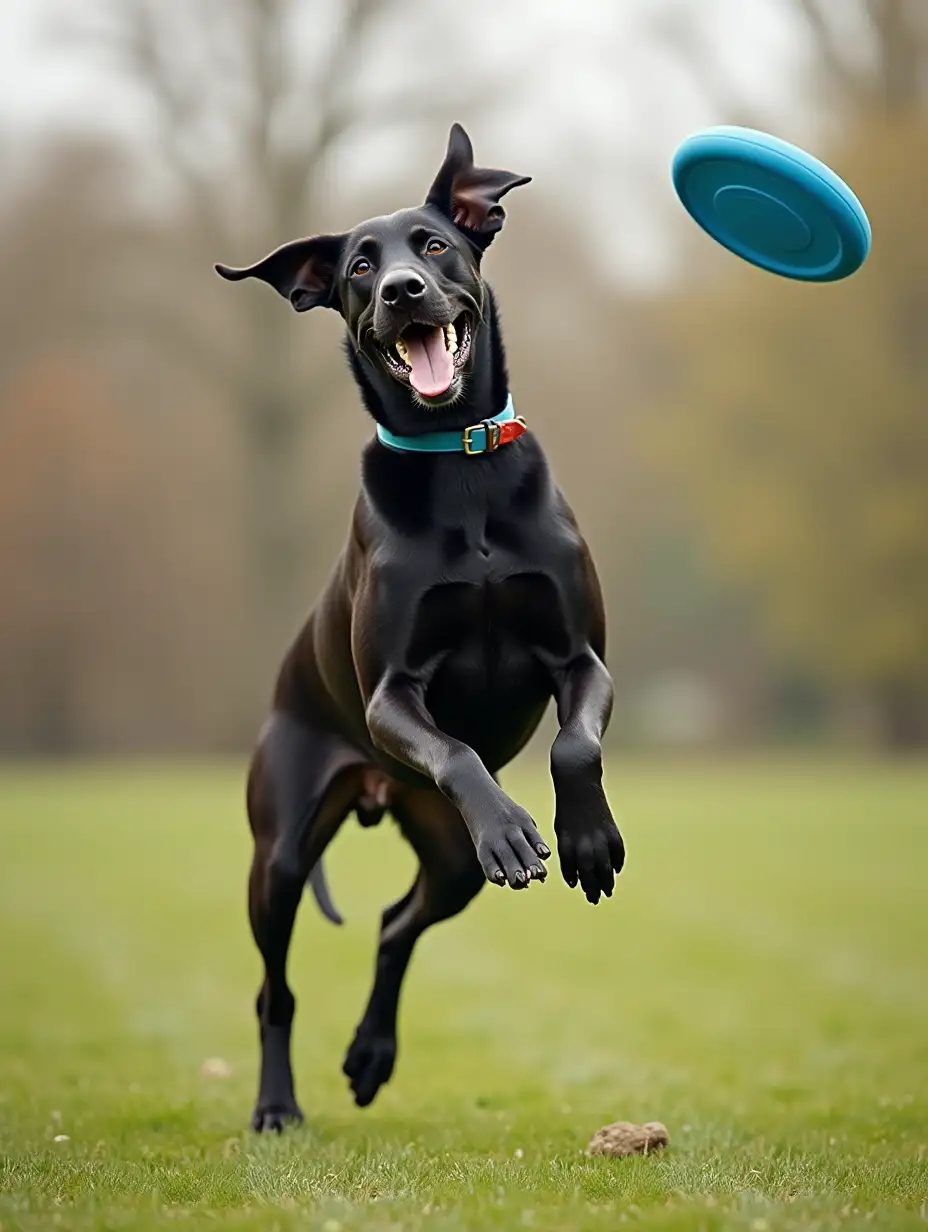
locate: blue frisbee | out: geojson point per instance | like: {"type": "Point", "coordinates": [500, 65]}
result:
{"type": "Point", "coordinates": [772, 204]}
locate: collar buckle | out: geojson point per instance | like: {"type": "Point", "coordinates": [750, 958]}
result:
{"type": "Point", "coordinates": [491, 431]}
{"type": "Point", "coordinates": [468, 440]}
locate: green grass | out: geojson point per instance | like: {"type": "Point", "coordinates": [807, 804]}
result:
{"type": "Point", "coordinates": [759, 983]}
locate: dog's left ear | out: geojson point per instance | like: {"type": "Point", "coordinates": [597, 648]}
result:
{"type": "Point", "coordinates": [304, 271]}
{"type": "Point", "coordinates": [469, 196]}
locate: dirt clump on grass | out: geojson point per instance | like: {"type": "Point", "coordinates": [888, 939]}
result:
{"type": "Point", "coordinates": [626, 1138]}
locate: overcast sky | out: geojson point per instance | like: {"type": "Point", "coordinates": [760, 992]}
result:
{"type": "Point", "coordinates": [601, 108]}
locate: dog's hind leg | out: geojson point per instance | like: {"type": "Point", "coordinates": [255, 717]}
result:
{"type": "Point", "coordinates": [448, 878]}
{"type": "Point", "coordinates": [301, 787]}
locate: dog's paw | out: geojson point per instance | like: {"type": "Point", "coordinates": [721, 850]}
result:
{"type": "Point", "coordinates": [590, 849]}
{"type": "Point", "coordinates": [369, 1064]}
{"type": "Point", "coordinates": [273, 1118]}
{"type": "Point", "coordinates": [512, 851]}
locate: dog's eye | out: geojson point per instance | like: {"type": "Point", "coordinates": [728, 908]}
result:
{"type": "Point", "coordinates": [360, 267]}
{"type": "Point", "coordinates": [436, 246]}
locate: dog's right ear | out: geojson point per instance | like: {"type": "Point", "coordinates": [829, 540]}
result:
{"type": "Point", "coordinates": [304, 272]}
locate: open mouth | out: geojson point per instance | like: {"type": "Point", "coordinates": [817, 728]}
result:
{"type": "Point", "coordinates": [429, 357]}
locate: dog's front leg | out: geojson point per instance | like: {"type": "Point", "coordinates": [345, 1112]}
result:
{"type": "Point", "coordinates": [508, 844]}
{"type": "Point", "coordinates": [589, 845]}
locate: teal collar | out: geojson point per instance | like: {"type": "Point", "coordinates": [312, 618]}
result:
{"type": "Point", "coordinates": [484, 437]}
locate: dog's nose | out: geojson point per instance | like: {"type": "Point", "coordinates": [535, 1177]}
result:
{"type": "Point", "coordinates": [401, 288]}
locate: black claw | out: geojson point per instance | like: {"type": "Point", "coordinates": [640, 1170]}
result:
{"type": "Point", "coordinates": [275, 1120]}
{"type": "Point", "coordinates": [499, 877]}
{"type": "Point", "coordinates": [543, 850]}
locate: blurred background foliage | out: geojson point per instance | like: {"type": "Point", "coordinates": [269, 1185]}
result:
{"type": "Point", "coordinates": [178, 460]}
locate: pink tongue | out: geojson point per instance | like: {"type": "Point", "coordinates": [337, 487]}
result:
{"type": "Point", "coordinates": [431, 363]}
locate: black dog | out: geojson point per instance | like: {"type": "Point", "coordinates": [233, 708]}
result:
{"type": "Point", "coordinates": [464, 599]}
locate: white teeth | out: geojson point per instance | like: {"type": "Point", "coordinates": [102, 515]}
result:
{"type": "Point", "coordinates": [451, 338]}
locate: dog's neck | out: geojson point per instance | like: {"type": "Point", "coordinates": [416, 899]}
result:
{"type": "Point", "coordinates": [416, 491]}
{"type": "Point", "coordinates": [484, 394]}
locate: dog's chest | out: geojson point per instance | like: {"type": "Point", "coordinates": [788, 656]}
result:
{"type": "Point", "coordinates": [488, 624]}
{"type": "Point", "coordinates": [490, 596]}
{"type": "Point", "coordinates": [478, 647]}
{"type": "Point", "coordinates": [487, 584]}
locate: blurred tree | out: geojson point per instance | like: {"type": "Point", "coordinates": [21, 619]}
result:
{"type": "Point", "coordinates": [251, 101]}
{"type": "Point", "coordinates": [66, 240]}
{"type": "Point", "coordinates": [58, 491]}
{"type": "Point", "coordinates": [119, 627]}
{"type": "Point", "coordinates": [116, 630]}
{"type": "Point", "coordinates": [886, 70]}
{"type": "Point", "coordinates": [872, 53]}
{"type": "Point", "coordinates": [797, 423]}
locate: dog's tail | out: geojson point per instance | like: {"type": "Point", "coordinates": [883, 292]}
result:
{"type": "Point", "coordinates": [320, 887]}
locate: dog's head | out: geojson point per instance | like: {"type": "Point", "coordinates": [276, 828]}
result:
{"type": "Point", "coordinates": [408, 285]}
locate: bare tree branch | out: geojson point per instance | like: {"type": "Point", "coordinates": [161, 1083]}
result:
{"type": "Point", "coordinates": [679, 31]}
{"type": "Point", "coordinates": [332, 103]}
{"type": "Point", "coordinates": [896, 75]}
{"type": "Point", "coordinates": [828, 46]}
{"type": "Point", "coordinates": [899, 35]}
{"type": "Point", "coordinates": [132, 38]}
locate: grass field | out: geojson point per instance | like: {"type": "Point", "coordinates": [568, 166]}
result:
{"type": "Point", "coordinates": [759, 983]}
